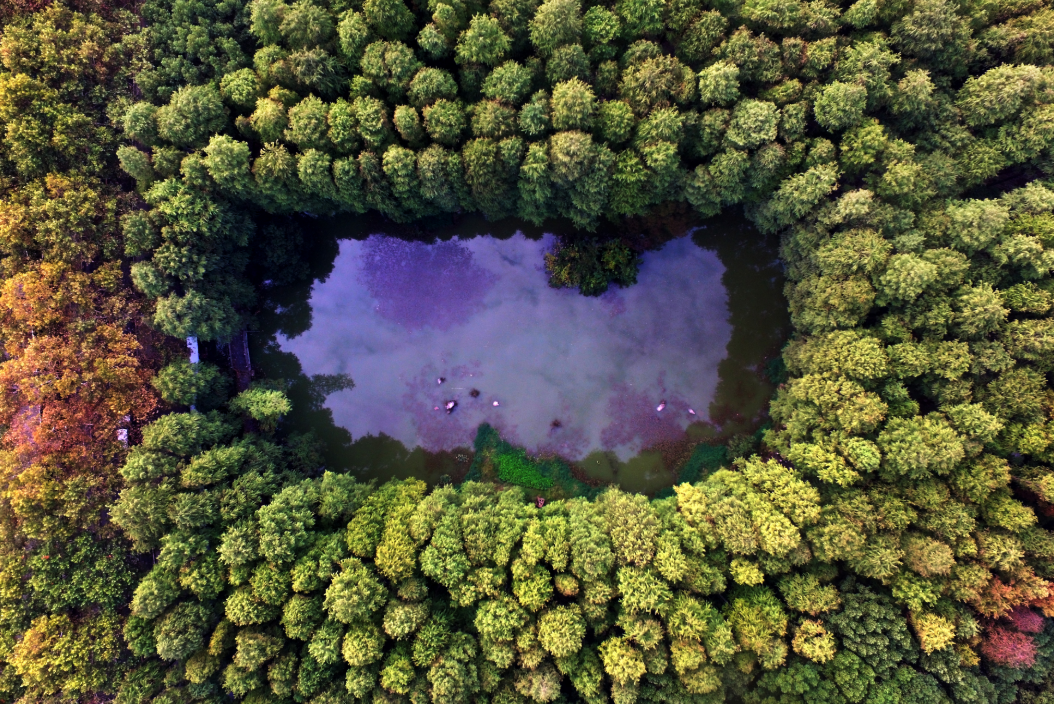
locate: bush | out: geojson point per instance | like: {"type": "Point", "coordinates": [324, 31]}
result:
{"type": "Point", "coordinates": [590, 266]}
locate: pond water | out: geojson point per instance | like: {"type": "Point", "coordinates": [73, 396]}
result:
{"type": "Point", "coordinates": [442, 335]}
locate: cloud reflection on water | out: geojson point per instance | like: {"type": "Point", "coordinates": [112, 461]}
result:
{"type": "Point", "coordinates": [397, 316]}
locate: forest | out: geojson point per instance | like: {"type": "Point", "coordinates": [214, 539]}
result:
{"type": "Point", "coordinates": [165, 537]}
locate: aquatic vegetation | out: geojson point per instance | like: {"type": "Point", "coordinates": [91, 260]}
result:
{"type": "Point", "coordinates": [705, 458]}
{"type": "Point", "coordinates": [498, 460]}
{"type": "Point", "coordinates": [516, 468]}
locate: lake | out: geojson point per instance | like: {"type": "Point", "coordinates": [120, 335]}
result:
{"type": "Point", "coordinates": [443, 331]}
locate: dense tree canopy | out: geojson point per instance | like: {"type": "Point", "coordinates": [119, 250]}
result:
{"type": "Point", "coordinates": [76, 359]}
{"type": "Point", "coordinates": [323, 588]}
{"type": "Point", "coordinates": [890, 542]}
{"type": "Point", "coordinates": [889, 143]}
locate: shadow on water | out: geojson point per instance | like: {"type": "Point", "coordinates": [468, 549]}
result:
{"type": "Point", "coordinates": [757, 312]}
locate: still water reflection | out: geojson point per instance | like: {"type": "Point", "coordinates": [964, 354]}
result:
{"type": "Point", "coordinates": [473, 323]}
{"type": "Point", "coordinates": [469, 324]}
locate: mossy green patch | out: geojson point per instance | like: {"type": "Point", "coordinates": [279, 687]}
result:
{"type": "Point", "coordinates": [498, 460]}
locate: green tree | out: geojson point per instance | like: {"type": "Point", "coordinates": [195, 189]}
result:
{"type": "Point", "coordinates": [510, 83]}
{"type": "Point", "coordinates": [719, 83]}
{"type": "Point", "coordinates": [656, 82]}
{"type": "Point", "coordinates": [582, 170]}
{"type": "Point", "coordinates": [573, 105]}
{"type": "Point", "coordinates": [308, 124]}
{"type": "Point", "coordinates": [632, 525]}
{"type": "Point", "coordinates": [483, 42]}
{"type": "Point", "coordinates": [228, 164]}
{"type": "Point", "coordinates": [615, 121]}
{"type": "Point", "coordinates": [492, 119]}
{"type": "Point", "coordinates": [192, 114]}
{"type": "Point", "coordinates": [601, 28]}
{"type": "Point", "coordinates": [269, 120]}
{"type": "Point", "coordinates": [622, 662]}
{"type": "Point", "coordinates": [445, 121]}
{"type": "Point", "coordinates": [759, 623]}
{"type": "Point", "coordinates": [265, 406]}
{"type": "Point", "coordinates": [841, 105]}
{"type": "Point", "coordinates": [391, 66]}
{"type": "Point", "coordinates": [535, 116]}
{"type": "Point", "coordinates": [355, 593]}
{"type": "Point", "coordinates": [408, 124]}
{"type": "Point", "coordinates": [801, 193]}
{"type": "Point", "coordinates": [568, 62]}
{"type": "Point", "coordinates": [373, 122]}
{"type": "Point", "coordinates": [753, 123]}
{"type": "Point", "coordinates": [186, 384]}
{"type": "Point", "coordinates": [196, 315]}
{"type": "Point", "coordinates": [641, 17]}
{"type": "Point", "coordinates": [354, 35]}
{"type": "Point", "coordinates": [137, 165]}
{"type": "Point", "coordinates": [305, 25]}
{"type": "Point", "coordinates": [432, 84]}
{"type": "Point", "coordinates": [555, 23]}
{"type": "Point", "coordinates": [390, 19]}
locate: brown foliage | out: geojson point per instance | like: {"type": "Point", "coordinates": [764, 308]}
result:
{"type": "Point", "coordinates": [73, 377]}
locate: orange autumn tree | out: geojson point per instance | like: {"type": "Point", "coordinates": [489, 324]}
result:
{"type": "Point", "coordinates": [73, 378]}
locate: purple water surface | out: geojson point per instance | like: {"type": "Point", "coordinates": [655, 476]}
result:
{"type": "Point", "coordinates": [555, 371]}
{"type": "Point", "coordinates": [417, 285]}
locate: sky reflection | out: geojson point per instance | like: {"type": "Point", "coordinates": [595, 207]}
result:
{"type": "Point", "coordinates": [555, 371]}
